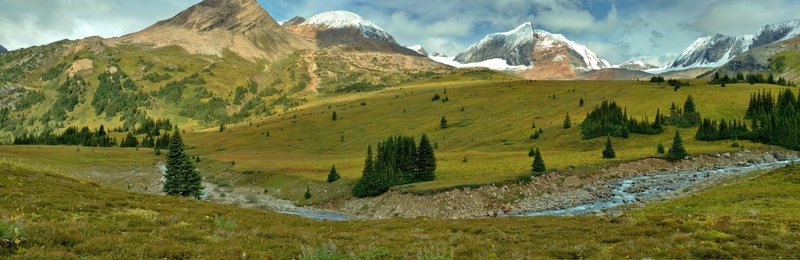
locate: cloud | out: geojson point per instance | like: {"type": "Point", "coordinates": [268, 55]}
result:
{"type": "Point", "coordinates": [738, 17]}
{"type": "Point", "coordinates": [36, 22]}
{"type": "Point", "coordinates": [655, 38]}
{"type": "Point", "coordinates": [570, 16]}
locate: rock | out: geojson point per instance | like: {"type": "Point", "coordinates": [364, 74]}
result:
{"type": "Point", "coordinates": [506, 208]}
{"type": "Point", "coordinates": [726, 155]}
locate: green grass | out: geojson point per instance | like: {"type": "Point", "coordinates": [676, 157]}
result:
{"type": "Point", "coordinates": [753, 217]}
{"type": "Point", "coordinates": [492, 132]}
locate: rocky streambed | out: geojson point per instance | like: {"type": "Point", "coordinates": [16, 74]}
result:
{"type": "Point", "coordinates": [641, 189]}
{"type": "Point", "coordinates": [562, 193]}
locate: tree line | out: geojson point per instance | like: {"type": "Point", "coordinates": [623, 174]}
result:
{"type": "Point", "coordinates": [751, 78]}
{"type": "Point", "coordinates": [71, 136]}
{"type": "Point", "coordinates": [399, 160]}
{"type": "Point", "coordinates": [774, 121]}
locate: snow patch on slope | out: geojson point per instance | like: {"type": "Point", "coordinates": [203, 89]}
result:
{"type": "Point", "coordinates": [418, 49]}
{"type": "Point", "coordinates": [493, 64]}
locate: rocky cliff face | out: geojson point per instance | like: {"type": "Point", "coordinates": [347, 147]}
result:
{"type": "Point", "coordinates": [211, 26]}
{"type": "Point", "coordinates": [3, 49]}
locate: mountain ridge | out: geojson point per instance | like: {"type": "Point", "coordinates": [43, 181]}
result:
{"type": "Point", "coordinates": [211, 26]}
{"type": "Point", "coordinates": [718, 49]}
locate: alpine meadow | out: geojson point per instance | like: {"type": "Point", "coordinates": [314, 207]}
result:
{"type": "Point", "coordinates": [227, 129]}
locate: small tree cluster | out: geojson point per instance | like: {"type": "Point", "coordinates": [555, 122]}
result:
{"type": "Point", "coordinates": [398, 161]}
{"type": "Point", "coordinates": [609, 119]}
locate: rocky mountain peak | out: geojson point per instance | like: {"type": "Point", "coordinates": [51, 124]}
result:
{"type": "Point", "coordinates": [513, 46]}
{"type": "Point", "coordinates": [237, 16]}
{"type": "Point", "coordinates": [212, 26]}
{"type": "Point", "coordinates": [3, 49]}
{"type": "Point", "coordinates": [297, 20]}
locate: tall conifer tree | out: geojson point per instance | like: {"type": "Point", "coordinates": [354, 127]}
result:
{"type": "Point", "coordinates": [182, 179]}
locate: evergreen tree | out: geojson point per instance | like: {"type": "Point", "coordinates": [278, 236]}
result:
{"type": "Point", "coordinates": [307, 195]}
{"type": "Point", "coordinates": [567, 122]}
{"type": "Point", "coordinates": [538, 163]}
{"type": "Point", "coordinates": [426, 160]}
{"type": "Point", "coordinates": [333, 117]}
{"type": "Point", "coordinates": [581, 103]}
{"type": "Point", "coordinates": [443, 123]}
{"type": "Point", "coordinates": [366, 186]}
{"type": "Point", "coordinates": [609, 153]}
{"type": "Point", "coordinates": [182, 179]}
{"type": "Point", "coordinates": [333, 175]}
{"type": "Point", "coordinates": [677, 152]}
{"type": "Point", "coordinates": [660, 149]}
{"type": "Point", "coordinates": [531, 152]}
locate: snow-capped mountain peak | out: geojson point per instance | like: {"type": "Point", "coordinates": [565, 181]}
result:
{"type": "Point", "coordinates": [712, 51]}
{"type": "Point", "coordinates": [590, 59]}
{"type": "Point", "coordinates": [636, 65]}
{"type": "Point", "coordinates": [777, 32]}
{"type": "Point", "coordinates": [513, 46]}
{"type": "Point", "coordinates": [718, 49]}
{"type": "Point", "coordinates": [345, 19]}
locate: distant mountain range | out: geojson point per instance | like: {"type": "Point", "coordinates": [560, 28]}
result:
{"type": "Point", "coordinates": [636, 65]}
{"type": "Point", "coordinates": [716, 50]}
{"type": "Point", "coordinates": [3, 49]}
{"type": "Point", "coordinates": [340, 44]}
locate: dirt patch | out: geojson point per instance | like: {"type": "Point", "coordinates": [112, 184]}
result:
{"type": "Point", "coordinates": [79, 66]}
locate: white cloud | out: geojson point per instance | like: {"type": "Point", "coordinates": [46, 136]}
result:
{"type": "Point", "coordinates": [737, 17]}
{"type": "Point", "coordinates": [36, 22]}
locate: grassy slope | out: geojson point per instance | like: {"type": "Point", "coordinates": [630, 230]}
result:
{"type": "Point", "coordinates": [492, 132]}
{"type": "Point", "coordinates": [756, 216]}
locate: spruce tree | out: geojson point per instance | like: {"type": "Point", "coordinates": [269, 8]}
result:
{"type": "Point", "coordinates": [609, 153]}
{"type": "Point", "coordinates": [367, 186]}
{"type": "Point", "coordinates": [677, 152]}
{"type": "Point", "coordinates": [182, 179]}
{"type": "Point", "coordinates": [333, 175]}
{"type": "Point", "coordinates": [567, 123]}
{"type": "Point", "coordinates": [581, 103]}
{"type": "Point", "coordinates": [531, 152]}
{"type": "Point", "coordinates": [426, 160]}
{"type": "Point", "coordinates": [660, 149]}
{"type": "Point", "coordinates": [307, 195]}
{"type": "Point", "coordinates": [443, 123]}
{"type": "Point", "coordinates": [538, 163]}
{"type": "Point", "coordinates": [333, 117]}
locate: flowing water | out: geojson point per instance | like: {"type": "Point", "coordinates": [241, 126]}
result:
{"type": "Point", "coordinates": [653, 187]}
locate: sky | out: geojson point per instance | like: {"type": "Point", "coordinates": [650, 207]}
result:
{"type": "Point", "coordinates": [656, 31]}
